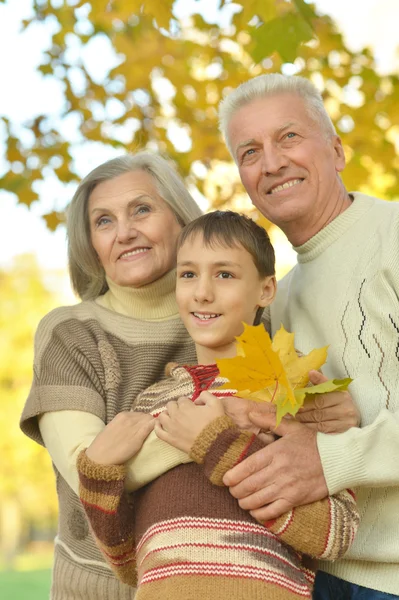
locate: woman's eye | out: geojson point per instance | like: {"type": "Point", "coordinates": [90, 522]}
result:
{"type": "Point", "coordinates": [102, 221]}
{"type": "Point", "coordinates": [187, 275]}
{"type": "Point", "coordinates": [291, 135]}
{"type": "Point", "coordinates": [225, 275]}
{"type": "Point", "coordinates": [142, 209]}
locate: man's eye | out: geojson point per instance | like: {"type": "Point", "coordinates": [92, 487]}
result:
{"type": "Point", "coordinates": [225, 275]}
{"type": "Point", "coordinates": [248, 152]}
{"type": "Point", "coordinates": [291, 135]}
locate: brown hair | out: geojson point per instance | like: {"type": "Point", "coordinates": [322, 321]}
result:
{"type": "Point", "coordinates": [231, 229]}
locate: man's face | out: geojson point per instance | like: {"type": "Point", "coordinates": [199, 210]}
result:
{"type": "Point", "coordinates": [288, 164]}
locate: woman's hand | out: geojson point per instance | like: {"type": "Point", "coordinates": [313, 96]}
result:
{"type": "Point", "coordinates": [183, 421]}
{"type": "Point", "coordinates": [121, 439]}
{"type": "Point", "coordinates": [334, 412]}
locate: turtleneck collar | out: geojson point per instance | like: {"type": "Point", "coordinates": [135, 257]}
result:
{"type": "Point", "coordinates": [334, 230]}
{"type": "Point", "coordinates": [153, 302]}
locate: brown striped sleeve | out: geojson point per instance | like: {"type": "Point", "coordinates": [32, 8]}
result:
{"type": "Point", "coordinates": [323, 529]}
{"type": "Point", "coordinates": [220, 446]}
{"type": "Point", "coordinates": [106, 504]}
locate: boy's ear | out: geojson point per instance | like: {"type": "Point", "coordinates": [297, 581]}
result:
{"type": "Point", "coordinates": [269, 288]}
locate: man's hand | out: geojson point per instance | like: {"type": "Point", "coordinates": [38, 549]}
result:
{"type": "Point", "coordinates": [183, 421]}
{"type": "Point", "coordinates": [121, 439]}
{"type": "Point", "coordinates": [284, 474]}
{"type": "Point", "coordinates": [334, 412]}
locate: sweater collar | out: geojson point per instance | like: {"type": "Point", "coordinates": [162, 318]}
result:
{"type": "Point", "coordinates": [334, 230]}
{"type": "Point", "coordinates": [153, 302]}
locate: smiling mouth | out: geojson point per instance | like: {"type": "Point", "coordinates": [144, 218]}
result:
{"type": "Point", "coordinates": [134, 252]}
{"type": "Point", "coordinates": [205, 317]}
{"type": "Point", "coordinates": [284, 186]}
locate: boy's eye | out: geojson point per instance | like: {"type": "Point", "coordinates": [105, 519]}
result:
{"type": "Point", "coordinates": [225, 275]}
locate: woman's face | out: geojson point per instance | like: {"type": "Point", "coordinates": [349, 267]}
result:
{"type": "Point", "coordinates": [133, 230]}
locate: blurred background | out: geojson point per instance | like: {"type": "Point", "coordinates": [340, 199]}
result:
{"type": "Point", "coordinates": [84, 81]}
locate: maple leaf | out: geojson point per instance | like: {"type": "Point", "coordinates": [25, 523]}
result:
{"type": "Point", "coordinates": [273, 371]}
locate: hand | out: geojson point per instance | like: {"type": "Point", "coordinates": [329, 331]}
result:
{"type": "Point", "coordinates": [121, 439]}
{"type": "Point", "coordinates": [282, 475]}
{"type": "Point", "coordinates": [183, 421]}
{"type": "Point", "coordinates": [238, 409]}
{"type": "Point", "coordinates": [334, 412]}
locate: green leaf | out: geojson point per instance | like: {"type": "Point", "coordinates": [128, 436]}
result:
{"type": "Point", "coordinates": [283, 35]}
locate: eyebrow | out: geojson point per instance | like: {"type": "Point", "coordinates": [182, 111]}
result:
{"type": "Point", "coordinates": [220, 263]}
{"type": "Point", "coordinates": [129, 204]}
{"type": "Point", "coordinates": [253, 141]}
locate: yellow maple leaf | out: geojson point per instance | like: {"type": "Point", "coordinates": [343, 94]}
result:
{"type": "Point", "coordinates": [272, 371]}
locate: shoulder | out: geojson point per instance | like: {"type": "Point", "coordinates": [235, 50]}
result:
{"type": "Point", "coordinates": [67, 323]}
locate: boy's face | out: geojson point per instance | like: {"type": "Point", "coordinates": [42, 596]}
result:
{"type": "Point", "coordinates": [218, 289]}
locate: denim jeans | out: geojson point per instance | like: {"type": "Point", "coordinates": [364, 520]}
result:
{"type": "Point", "coordinates": [328, 587]}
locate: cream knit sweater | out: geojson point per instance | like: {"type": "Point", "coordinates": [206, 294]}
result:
{"type": "Point", "coordinates": [344, 292]}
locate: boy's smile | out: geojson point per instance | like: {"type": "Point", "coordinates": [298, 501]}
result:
{"type": "Point", "coordinates": [218, 288]}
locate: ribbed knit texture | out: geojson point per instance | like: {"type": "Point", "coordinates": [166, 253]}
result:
{"type": "Point", "coordinates": [344, 292]}
{"type": "Point", "coordinates": [90, 358]}
{"type": "Point", "coordinates": [189, 538]}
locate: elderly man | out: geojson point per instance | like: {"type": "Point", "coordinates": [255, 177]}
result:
{"type": "Point", "coordinates": [344, 291]}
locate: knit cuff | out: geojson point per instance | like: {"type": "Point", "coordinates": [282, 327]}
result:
{"type": "Point", "coordinates": [93, 470]}
{"type": "Point", "coordinates": [208, 435]}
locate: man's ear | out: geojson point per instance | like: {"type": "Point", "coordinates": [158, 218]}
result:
{"type": "Point", "coordinates": [269, 288]}
{"type": "Point", "coordinates": [339, 154]}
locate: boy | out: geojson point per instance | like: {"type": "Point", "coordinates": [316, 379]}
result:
{"type": "Point", "coordinates": [187, 534]}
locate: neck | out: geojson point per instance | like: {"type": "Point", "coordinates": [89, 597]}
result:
{"type": "Point", "coordinates": [153, 302]}
{"type": "Point", "coordinates": [299, 232]}
{"type": "Point", "coordinates": [209, 356]}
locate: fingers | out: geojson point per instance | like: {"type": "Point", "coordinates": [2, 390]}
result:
{"type": "Point", "coordinates": [243, 478]}
{"type": "Point", "coordinates": [316, 377]}
{"type": "Point", "coordinates": [271, 511]}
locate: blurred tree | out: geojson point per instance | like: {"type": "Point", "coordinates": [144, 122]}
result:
{"type": "Point", "coordinates": [27, 490]}
{"type": "Point", "coordinates": [170, 75]}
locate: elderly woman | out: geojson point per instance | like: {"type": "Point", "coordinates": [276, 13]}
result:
{"type": "Point", "coordinates": [92, 359]}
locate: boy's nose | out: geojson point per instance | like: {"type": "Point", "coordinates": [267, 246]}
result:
{"type": "Point", "coordinates": [203, 291]}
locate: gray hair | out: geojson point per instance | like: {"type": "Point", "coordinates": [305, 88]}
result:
{"type": "Point", "coordinates": [271, 84]}
{"type": "Point", "coordinates": [86, 272]}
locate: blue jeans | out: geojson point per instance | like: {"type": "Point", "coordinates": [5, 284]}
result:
{"type": "Point", "coordinates": [328, 587]}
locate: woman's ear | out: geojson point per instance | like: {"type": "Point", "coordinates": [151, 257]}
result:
{"type": "Point", "coordinates": [268, 292]}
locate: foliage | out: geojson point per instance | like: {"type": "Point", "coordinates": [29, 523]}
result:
{"type": "Point", "coordinates": [169, 77]}
{"type": "Point", "coordinates": [272, 371]}
{"type": "Point", "coordinates": [27, 477]}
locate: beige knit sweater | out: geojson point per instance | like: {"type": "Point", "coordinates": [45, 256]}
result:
{"type": "Point", "coordinates": [344, 292]}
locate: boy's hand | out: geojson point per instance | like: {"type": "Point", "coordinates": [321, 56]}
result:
{"type": "Point", "coordinates": [121, 439]}
{"type": "Point", "coordinates": [334, 412]}
{"type": "Point", "coordinates": [183, 421]}
{"type": "Point", "coordinates": [238, 409]}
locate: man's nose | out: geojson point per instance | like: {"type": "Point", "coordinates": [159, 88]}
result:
{"type": "Point", "coordinates": [273, 159]}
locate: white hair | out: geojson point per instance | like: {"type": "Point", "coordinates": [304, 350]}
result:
{"type": "Point", "coordinates": [86, 273]}
{"type": "Point", "coordinates": [271, 84]}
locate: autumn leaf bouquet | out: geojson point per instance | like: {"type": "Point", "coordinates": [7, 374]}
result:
{"type": "Point", "coordinates": [266, 370]}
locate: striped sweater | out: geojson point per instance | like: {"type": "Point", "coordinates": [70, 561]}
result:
{"type": "Point", "coordinates": [184, 536]}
